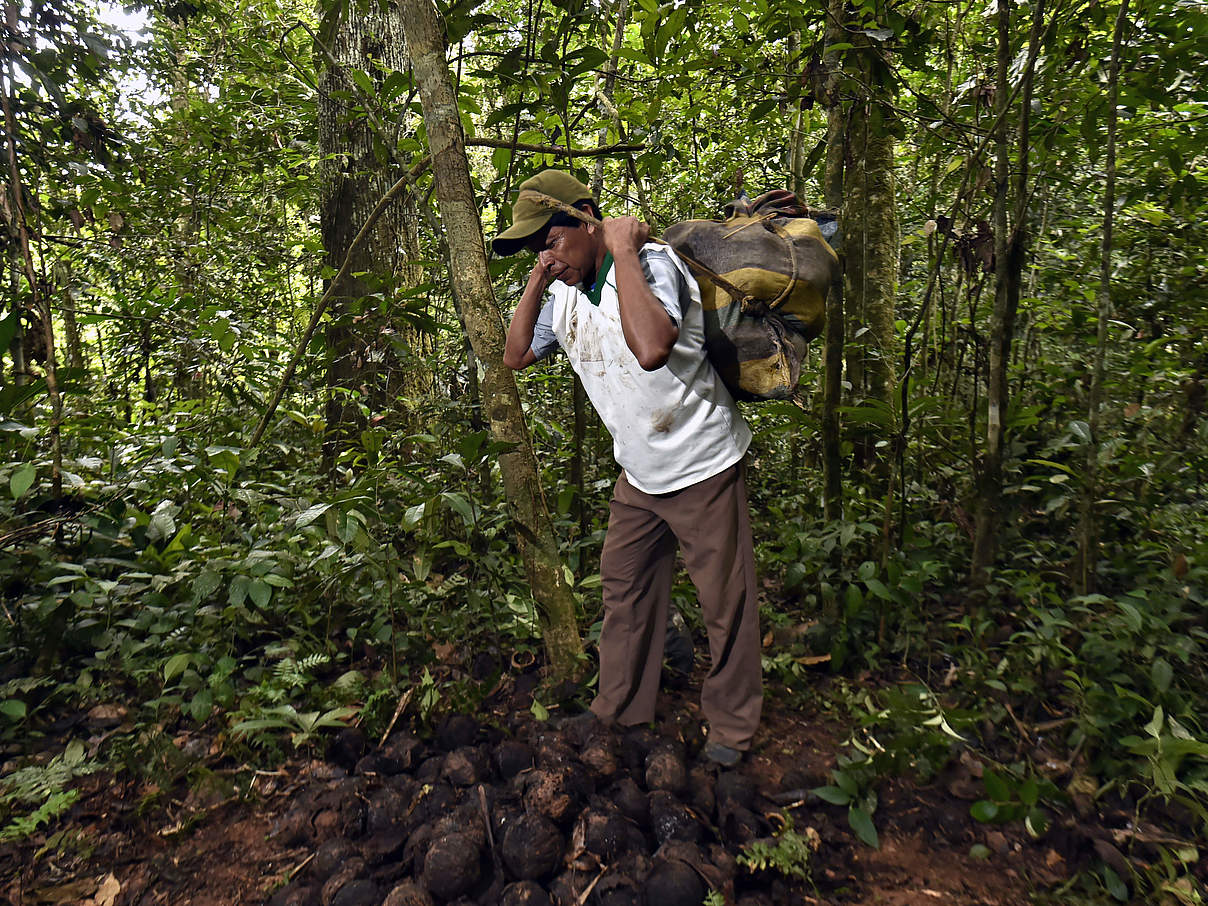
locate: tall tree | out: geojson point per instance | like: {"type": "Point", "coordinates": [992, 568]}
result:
{"type": "Point", "coordinates": [426, 45]}
{"type": "Point", "coordinates": [361, 47]}
{"type": "Point", "coordinates": [870, 224]}
{"type": "Point", "coordinates": [832, 373]}
{"type": "Point", "coordinates": [1088, 540]}
{"type": "Point", "coordinates": [1010, 238]}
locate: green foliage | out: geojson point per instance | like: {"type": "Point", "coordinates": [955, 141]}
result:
{"type": "Point", "coordinates": [1010, 800]}
{"type": "Point", "coordinates": [900, 730]}
{"type": "Point", "coordinates": [45, 786]}
{"type": "Point", "coordinates": [270, 592]}
{"type": "Point", "coordinates": [303, 727]}
{"type": "Point", "coordinates": [789, 854]}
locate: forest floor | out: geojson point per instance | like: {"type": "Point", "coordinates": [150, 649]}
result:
{"type": "Point", "coordinates": [227, 835]}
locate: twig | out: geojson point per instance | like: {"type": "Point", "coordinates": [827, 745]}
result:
{"type": "Point", "coordinates": [601, 151]}
{"type": "Point", "coordinates": [592, 886]}
{"type": "Point", "coordinates": [289, 875]}
{"type": "Point", "coordinates": [403, 700]}
{"type": "Point", "coordinates": [1047, 725]}
{"type": "Point", "coordinates": [486, 820]}
{"type": "Point", "coordinates": [1023, 731]}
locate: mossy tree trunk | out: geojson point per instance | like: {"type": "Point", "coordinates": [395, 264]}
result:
{"type": "Point", "coordinates": [870, 237]}
{"type": "Point", "coordinates": [369, 368]}
{"type": "Point", "coordinates": [472, 282]}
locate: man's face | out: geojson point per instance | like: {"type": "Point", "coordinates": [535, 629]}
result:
{"type": "Point", "coordinates": [570, 254]}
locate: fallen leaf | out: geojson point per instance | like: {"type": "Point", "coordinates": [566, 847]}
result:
{"type": "Point", "coordinates": [75, 892]}
{"type": "Point", "coordinates": [107, 893]}
{"type": "Point", "coordinates": [813, 660]}
{"type": "Point", "coordinates": [1179, 566]}
{"type": "Point", "coordinates": [107, 715]}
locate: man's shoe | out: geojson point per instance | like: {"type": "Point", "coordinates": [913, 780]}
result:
{"type": "Point", "coordinates": [722, 755]}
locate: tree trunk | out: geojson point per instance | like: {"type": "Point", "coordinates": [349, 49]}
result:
{"type": "Point", "coordinates": [1009, 243]}
{"type": "Point", "coordinates": [363, 369]}
{"type": "Point", "coordinates": [832, 387]}
{"type": "Point", "coordinates": [1088, 535]}
{"type": "Point", "coordinates": [40, 303]}
{"type": "Point", "coordinates": [870, 240]}
{"type": "Point", "coordinates": [484, 325]}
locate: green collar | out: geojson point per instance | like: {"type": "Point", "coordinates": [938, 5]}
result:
{"type": "Point", "coordinates": [593, 294]}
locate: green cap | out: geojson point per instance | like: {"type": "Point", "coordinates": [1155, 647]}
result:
{"type": "Point", "coordinates": [528, 217]}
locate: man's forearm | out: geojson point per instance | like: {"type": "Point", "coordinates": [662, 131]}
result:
{"type": "Point", "coordinates": [649, 331]}
{"type": "Point", "coordinates": [517, 350]}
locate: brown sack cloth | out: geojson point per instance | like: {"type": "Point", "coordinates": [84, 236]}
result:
{"type": "Point", "coordinates": [775, 269]}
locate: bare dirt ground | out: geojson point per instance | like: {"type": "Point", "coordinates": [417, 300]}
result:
{"type": "Point", "coordinates": [225, 840]}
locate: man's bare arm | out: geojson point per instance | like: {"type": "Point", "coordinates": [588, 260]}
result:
{"type": "Point", "coordinates": [649, 331]}
{"type": "Point", "coordinates": [518, 350]}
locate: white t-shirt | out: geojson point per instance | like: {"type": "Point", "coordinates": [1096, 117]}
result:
{"type": "Point", "coordinates": [671, 427]}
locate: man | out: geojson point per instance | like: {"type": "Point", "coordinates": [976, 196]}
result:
{"type": "Point", "coordinates": [627, 313]}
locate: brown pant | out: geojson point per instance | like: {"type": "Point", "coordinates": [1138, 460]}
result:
{"type": "Point", "coordinates": [712, 524]}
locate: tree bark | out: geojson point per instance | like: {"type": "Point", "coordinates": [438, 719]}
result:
{"type": "Point", "coordinates": [870, 238]}
{"type": "Point", "coordinates": [40, 303]}
{"type": "Point", "coordinates": [472, 282]}
{"type": "Point", "coordinates": [363, 369]}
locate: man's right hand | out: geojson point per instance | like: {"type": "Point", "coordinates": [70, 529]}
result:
{"type": "Point", "coordinates": [541, 270]}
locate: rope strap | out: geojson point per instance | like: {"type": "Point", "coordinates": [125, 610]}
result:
{"type": "Point", "coordinates": [716, 279]}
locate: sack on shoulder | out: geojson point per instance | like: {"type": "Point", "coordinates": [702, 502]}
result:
{"type": "Point", "coordinates": [766, 271]}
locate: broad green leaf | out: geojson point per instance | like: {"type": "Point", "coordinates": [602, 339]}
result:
{"type": "Point", "coordinates": [13, 708]}
{"type": "Point", "coordinates": [363, 81]}
{"type": "Point", "coordinates": [861, 823]}
{"type": "Point", "coordinates": [162, 526]}
{"type": "Point", "coordinates": [877, 587]}
{"type": "Point", "coordinates": [984, 810]}
{"type": "Point", "coordinates": [996, 787]}
{"type": "Point", "coordinates": [832, 794]}
{"type": "Point", "coordinates": [1131, 615]}
{"type": "Point", "coordinates": [463, 506]}
{"type": "Point", "coordinates": [1161, 673]}
{"type": "Point", "coordinates": [1117, 888]}
{"type": "Point", "coordinates": [22, 479]}
{"type": "Point", "coordinates": [854, 600]}
{"type": "Point", "coordinates": [8, 328]}
{"type": "Point", "coordinates": [1154, 727]}
{"type": "Point", "coordinates": [175, 665]}
{"type": "Point", "coordinates": [238, 590]}
{"type": "Point", "coordinates": [260, 592]}
{"type": "Point", "coordinates": [310, 514]}
{"type": "Point", "coordinates": [201, 705]}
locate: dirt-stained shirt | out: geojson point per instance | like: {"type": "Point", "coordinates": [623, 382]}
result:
{"type": "Point", "coordinates": [671, 427]}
